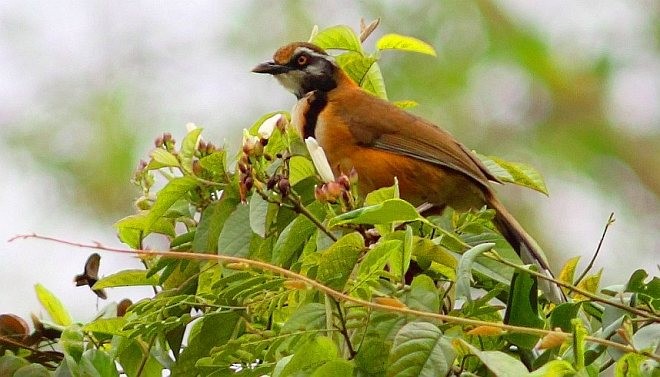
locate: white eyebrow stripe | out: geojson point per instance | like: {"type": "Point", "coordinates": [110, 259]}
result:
{"type": "Point", "coordinates": [313, 53]}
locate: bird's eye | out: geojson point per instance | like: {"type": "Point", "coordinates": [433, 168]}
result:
{"type": "Point", "coordinates": [302, 60]}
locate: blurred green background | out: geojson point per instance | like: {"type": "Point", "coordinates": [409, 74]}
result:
{"type": "Point", "coordinates": [572, 88]}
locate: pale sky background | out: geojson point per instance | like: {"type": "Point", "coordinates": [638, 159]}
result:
{"type": "Point", "coordinates": [190, 62]}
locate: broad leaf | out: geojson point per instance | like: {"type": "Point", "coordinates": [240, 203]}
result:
{"type": "Point", "coordinates": [126, 278]}
{"type": "Point", "coordinates": [423, 295]}
{"type": "Point", "coordinates": [420, 350]}
{"type": "Point", "coordinates": [500, 363]}
{"type": "Point", "coordinates": [522, 309]}
{"type": "Point", "coordinates": [338, 261]}
{"type": "Point", "coordinates": [53, 306]}
{"type": "Point", "coordinates": [389, 211]}
{"type": "Point", "coordinates": [235, 237]}
{"type": "Point", "coordinates": [338, 38]}
{"type": "Point", "coordinates": [300, 168]}
{"type": "Point", "coordinates": [167, 196]}
{"type": "Point", "coordinates": [310, 356]}
{"type": "Point", "coordinates": [405, 43]}
{"type": "Point", "coordinates": [162, 158]}
{"type": "Point", "coordinates": [212, 222]}
{"type": "Point", "coordinates": [515, 172]}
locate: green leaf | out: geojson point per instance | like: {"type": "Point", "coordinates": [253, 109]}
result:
{"type": "Point", "coordinates": [371, 358]}
{"type": "Point", "coordinates": [71, 342]}
{"type": "Point", "coordinates": [167, 196]}
{"type": "Point", "coordinates": [101, 362]}
{"type": "Point", "coordinates": [376, 257]}
{"type": "Point", "coordinates": [420, 350]}
{"type": "Point", "coordinates": [295, 235]}
{"type": "Point", "coordinates": [522, 309]}
{"type": "Point", "coordinates": [389, 211]}
{"type": "Point", "coordinates": [648, 293]}
{"type": "Point", "coordinates": [334, 368]}
{"type": "Point", "coordinates": [126, 278]}
{"type": "Point", "coordinates": [112, 326]}
{"type": "Point", "coordinates": [131, 355]}
{"type": "Point", "coordinates": [221, 325]}
{"type": "Point", "coordinates": [400, 260]}
{"type": "Point", "coordinates": [515, 172]}
{"type": "Point", "coordinates": [439, 259]}
{"type": "Point", "coordinates": [338, 261]}
{"type": "Point", "coordinates": [631, 365]}
{"type": "Point", "coordinates": [563, 314]}
{"type": "Point", "coordinates": [300, 168]}
{"type": "Point", "coordinates": [310, 316]}
{"type": "Point", "coordinates": [464, 271]}
{"type": "Point", "coordinates": [356, 65]}
{"type": "Point", "coordinates": [405, 43]}
{"type": "Point", "coordinates": [212, 222]}
{"type": "Point", "coordinates": [53, 306]}
{"type": "Point", "coordinates": [162, 158]}
{"type": "Point", "coordinates": [338, 37]}
{"type": "Point", "coordinates": [374, 82]}
{"type": "Point", "coordinates": [497, 362]}
{"type": "Point", "coordinates": [423, 295]}
{"type": "Point", "coordinates": [382, 194]}
{"type": "Point", "coordinates": [555, 368]}
{"type": "Point", "coordinates": [188, 148]}
{"type": "Point", "coordinates": [32, 370]}
{"type": "Point", "coordinates": [236, 233]}
{"type": "Point", "coordinates": [309, 356]}
{"type": "Point", "coordinates": [216, 162]}
{"type": "Point", "coordinates": [259, 215]}
{"type": "Point", "coordinates": [130, 229]}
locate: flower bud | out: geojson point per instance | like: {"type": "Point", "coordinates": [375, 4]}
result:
{"type": "Point", "coordinates": [344, 181]}
{"type": "Point", "coordinates": [268, 126]}
{"type": "Point", "coordinates": [319, 159]}
{"type": "Point", "coordinates": [284, 187]}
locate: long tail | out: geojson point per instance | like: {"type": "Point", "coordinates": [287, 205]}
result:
{"type": "Point", "coordinates": [528, 250]}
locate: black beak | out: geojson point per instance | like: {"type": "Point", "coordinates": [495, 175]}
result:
{"type": "Point", "coordinates": [271, 68]}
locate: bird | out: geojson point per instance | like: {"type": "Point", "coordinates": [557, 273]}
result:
{"type": "Point", "coordinates": [381, 141]}
{"type": "Point", "coordinates": [90, 275]}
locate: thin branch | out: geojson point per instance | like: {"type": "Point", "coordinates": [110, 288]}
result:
{"type": "Point", "coordinates": [590, 295]}
{"type": "Point", "coordinates": [339, 295]}
{"type": "Point", "coordinates": [610, 221]}
{"type": "Point", "coordinates": [300, 208]}
{"type": "Point", "coordinates": [344, 331]}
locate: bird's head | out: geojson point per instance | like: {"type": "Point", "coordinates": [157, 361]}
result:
{"type": "Point", "coordinates": [302, 67]}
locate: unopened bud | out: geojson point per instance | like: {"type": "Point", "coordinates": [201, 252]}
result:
{"type": "Point", "coordinates": [272, 181]}
{"type": "Point", "coordinates": [251, 144]}
{"type": "Point", "coordinates": [334, 190]}
{"type": "Point", "coordinates": [248, 182]}
{"type": "Point", "coordinates": [196, 167]}
{"type": "Point", "coordinates": [284, 187]}
{"type": "Point", "coordinates": [158, 142]}
{"type": "Point", "coordinates": [344, 181]}
{"type": "Point", "coordinates": [320, 194]}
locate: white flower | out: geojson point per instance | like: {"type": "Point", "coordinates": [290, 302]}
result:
{"type": "Point", "coordinates": [320, 160]}
{"type": "Point", "coordinates": [268, 126]}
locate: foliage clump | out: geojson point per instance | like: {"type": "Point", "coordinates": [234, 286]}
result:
{"type": "Point", "coordinates": [275, 270]}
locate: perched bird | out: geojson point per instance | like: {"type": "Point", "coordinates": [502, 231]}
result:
{"type": "Point", "coordinates": [381, 141]}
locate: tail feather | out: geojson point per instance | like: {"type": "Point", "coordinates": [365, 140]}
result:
{"type": "Point", "coordinates": [528, 250]}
